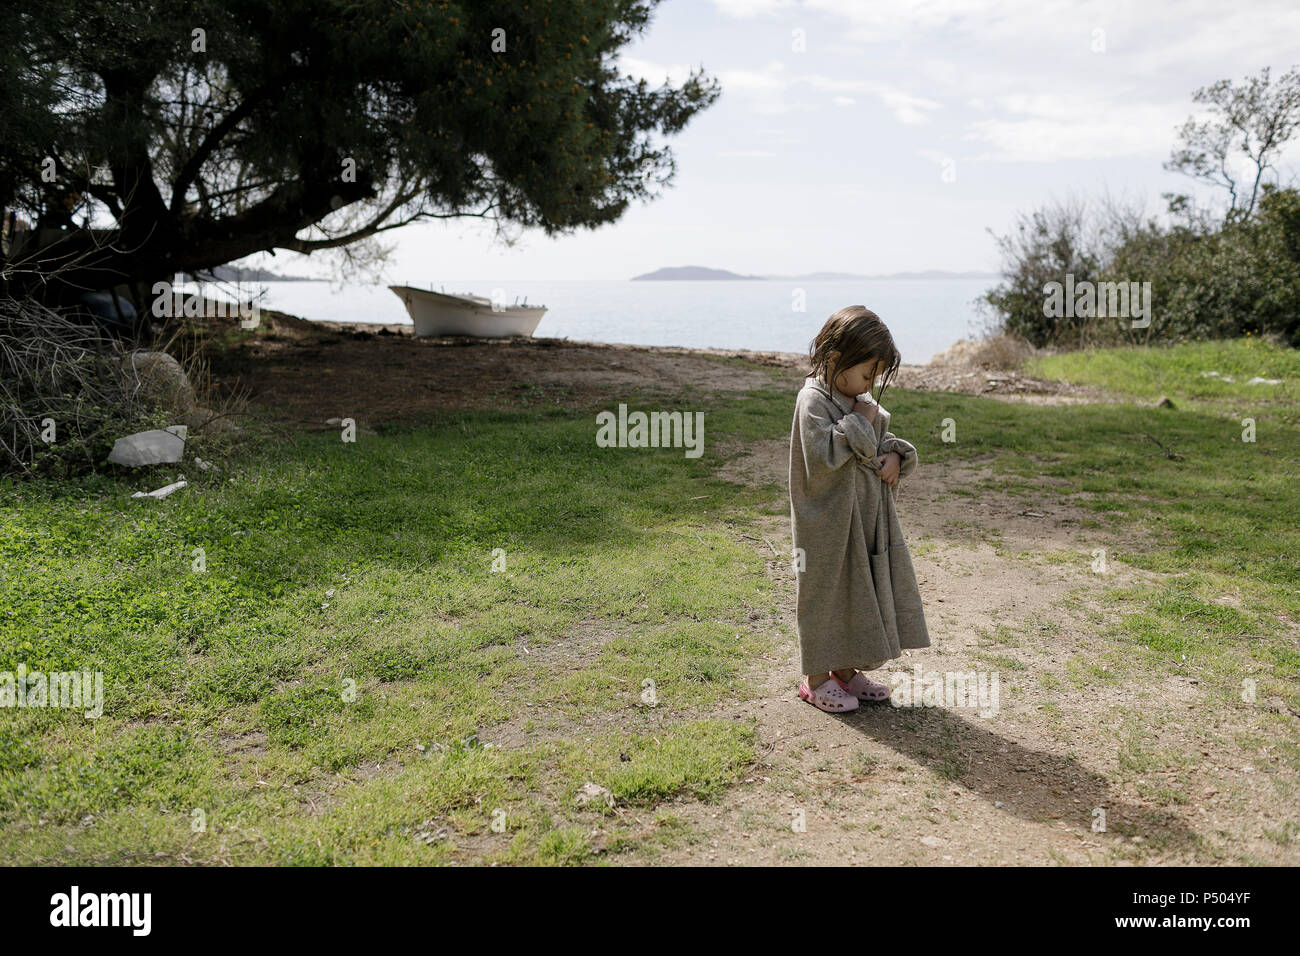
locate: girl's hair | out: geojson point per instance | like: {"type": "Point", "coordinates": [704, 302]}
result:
{"type": "Point", "coordinates": [858, 335]}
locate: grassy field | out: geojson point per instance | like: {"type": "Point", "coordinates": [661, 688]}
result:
{"type": "Point", "coordinates": [300, 651]}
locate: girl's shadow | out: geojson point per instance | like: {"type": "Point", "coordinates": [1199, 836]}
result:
{"type": "Point", "coordinates": [1032, 784]}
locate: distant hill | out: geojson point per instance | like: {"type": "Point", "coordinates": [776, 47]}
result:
{"type": "Point", "coordinates": [233, 274]}
{"type": "Point", "coordinates": [689, 272]}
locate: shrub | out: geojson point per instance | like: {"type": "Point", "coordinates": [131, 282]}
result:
{"type": "Point", "coordinates": [63, 380]}
{"type": "Point", "coordinates": [1207, 280]}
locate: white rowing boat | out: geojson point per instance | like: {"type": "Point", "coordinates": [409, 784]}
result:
{"type": "Point", "coordinates": [440, 313]}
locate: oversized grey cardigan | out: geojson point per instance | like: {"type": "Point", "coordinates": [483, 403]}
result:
{"type": "Point", "coordinates": [858, 601]}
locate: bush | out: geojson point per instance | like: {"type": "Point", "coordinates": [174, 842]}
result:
{"type": "Point", "coordinates": [63, 380]}
{"type": "Point", "coordinates": [1207, 281]}
{"type": "Point", "coordinates": [1047, 244]}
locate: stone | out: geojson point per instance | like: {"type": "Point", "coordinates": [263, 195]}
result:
{"type": "Point", "coordinates": [154, 447]}
{"type": "Point", "coordinates": [160, 380]}
{"type": "Point", "coordinates": [162, 492]}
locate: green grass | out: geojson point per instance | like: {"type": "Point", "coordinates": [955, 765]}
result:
{"type": "Point", "coordinates": [349, 614]}
{"type": "Point", "coordinates": [1180, 372]}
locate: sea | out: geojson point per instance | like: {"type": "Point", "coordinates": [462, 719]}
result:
{"type": "Point", "coordinates": [925, 315]}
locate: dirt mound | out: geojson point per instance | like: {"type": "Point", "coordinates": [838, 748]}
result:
{"type": "Point", "coordinates": [992, 367]}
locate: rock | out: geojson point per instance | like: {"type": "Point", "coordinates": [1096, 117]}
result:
{"type": "Point", "coordinates": [162, 492]}
{"type": "Point", "coordinates": [594, 793]}
{"type": "Point", "coordinates": [1264, 381]}
{"type": "Point", "coordinates": [1165, 402]}
{"type": "Point", "coordinates": [157, 446]}
{"type": "Point", "coordinates": [160, 380]}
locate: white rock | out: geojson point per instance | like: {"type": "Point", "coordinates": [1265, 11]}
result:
{"type": "Point", "coordinates": [594, 793]}
{"type": "Point", "coordinates": [153, 447]}
{"type": "Point", "coordinates": [1264, 381]}
{"type": "Point", "coordinates": [162, 492]}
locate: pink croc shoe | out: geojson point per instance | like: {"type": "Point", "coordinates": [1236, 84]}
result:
{"type": "Point", "coordinates": [861, 687]}
{"type": "Point", "coordinates": [828, 696]}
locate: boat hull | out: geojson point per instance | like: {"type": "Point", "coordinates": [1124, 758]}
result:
{"type": "Point", "coordinates": [434, 313]}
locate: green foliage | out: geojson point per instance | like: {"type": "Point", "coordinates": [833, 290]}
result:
{"type": "Point", "coordinates": [353, 116]}
{"type": "Point", "coordinates": [1046, 245]}
{"type": "Point", "coordinates": [1219, 281]}
{"type": "Point", "coordinates": [1240, 278]}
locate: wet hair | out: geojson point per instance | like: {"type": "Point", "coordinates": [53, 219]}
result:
{"type": "Point", "coordinates": [858, 335]}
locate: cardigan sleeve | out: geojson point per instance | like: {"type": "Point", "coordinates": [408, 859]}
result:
{"type": "Point", "coordinates": [906, 451]}
{"type": "Point", "coordinates": [830, 440]}
{"type": "Point", "coordinates": [891, 442]}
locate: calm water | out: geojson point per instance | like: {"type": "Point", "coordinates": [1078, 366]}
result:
{"type": "Point", "coordinates": [925, 315]}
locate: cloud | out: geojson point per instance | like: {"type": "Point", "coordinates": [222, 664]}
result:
{"type": "Point", "coordinates": [747, 9]}
{"type": "Point", "coordinates": [1024, 80]}
{"type": "Point", "coordinates": [654, 73]}
{"type": "Point", "coordinates": [774, 89]}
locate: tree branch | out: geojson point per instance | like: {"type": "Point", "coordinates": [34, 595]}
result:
{"type": "Point", "coordinates": [190, 171]}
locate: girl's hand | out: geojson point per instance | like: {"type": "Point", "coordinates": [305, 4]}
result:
{"type": "Point", "coordinates": [890, 462]}
{"type": "Point", "coordinates": [866, 409]}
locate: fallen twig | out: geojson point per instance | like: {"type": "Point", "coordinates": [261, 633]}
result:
{"type": "Point", "coordinates": [1171, 455]}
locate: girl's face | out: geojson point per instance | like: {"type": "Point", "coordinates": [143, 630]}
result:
{"type": "Point", "coordinates": [860, 378]}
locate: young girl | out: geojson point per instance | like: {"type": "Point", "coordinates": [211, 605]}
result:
{"type": "Point", "coordinates": [858, 601]}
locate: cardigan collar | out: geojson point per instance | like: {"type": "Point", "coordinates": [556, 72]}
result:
{"type": "Point", "coordinates": [831, 393]}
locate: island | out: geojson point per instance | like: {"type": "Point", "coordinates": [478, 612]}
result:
{"type": "Point", "coordinates": [689, 272]}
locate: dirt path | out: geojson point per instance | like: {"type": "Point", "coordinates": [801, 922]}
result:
{"type": "Point", "coordinates": [1078, 737]}
{"type": "Point", "coordinates": [949, 785]}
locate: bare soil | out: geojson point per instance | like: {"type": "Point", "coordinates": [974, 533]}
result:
{"type": "Point", "coordinates": [312, 371]}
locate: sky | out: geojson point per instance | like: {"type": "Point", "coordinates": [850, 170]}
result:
{"type": "Point", "coordinates": [877, 136]}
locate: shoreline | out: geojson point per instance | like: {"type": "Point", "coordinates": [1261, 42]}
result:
{"type": "Point", "coordinates": [929, 319]}
{"type": "Point", "coordinates": [378, 352]}
{"type": "Point", "coordinates": [405, 330]}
